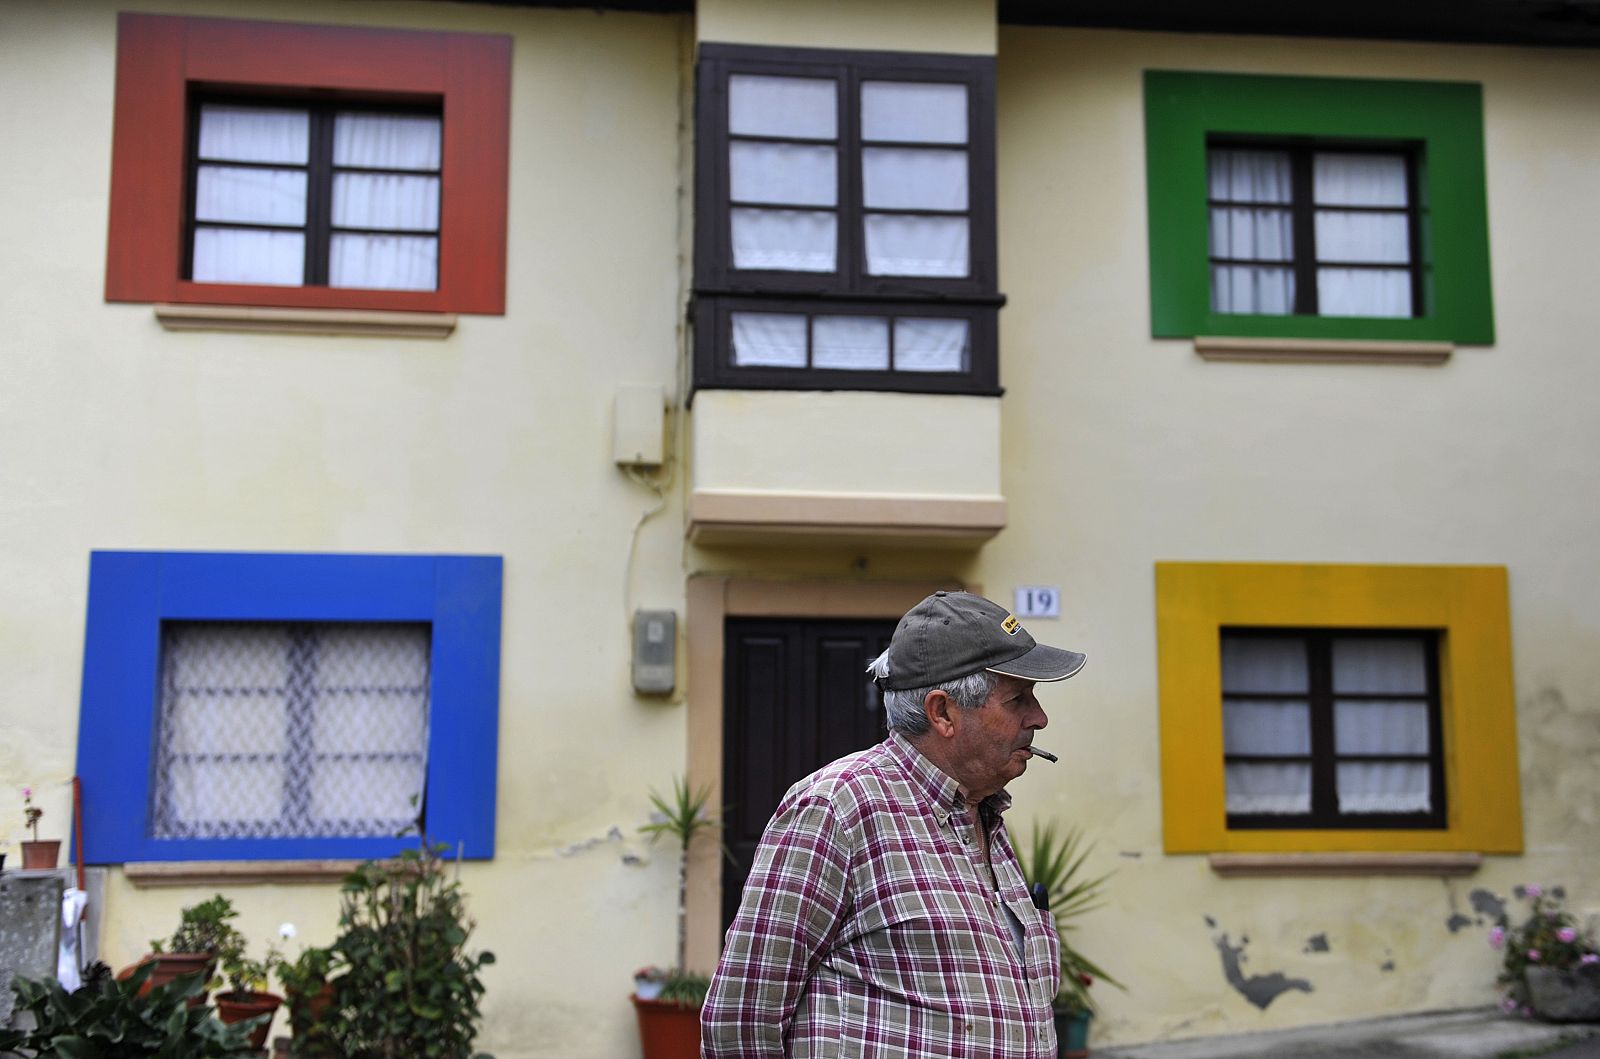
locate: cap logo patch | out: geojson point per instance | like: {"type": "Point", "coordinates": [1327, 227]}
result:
{"type": "Point", "coordinates": [1011, 625]}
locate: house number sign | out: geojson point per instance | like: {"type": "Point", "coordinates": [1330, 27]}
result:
{"type": "Point", "coordinates": [1038, 601]}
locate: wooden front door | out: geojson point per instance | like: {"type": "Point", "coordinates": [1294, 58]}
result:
{"type": "Point", "coordinates": [795, 696]}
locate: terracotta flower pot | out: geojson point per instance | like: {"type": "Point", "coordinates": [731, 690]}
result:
{"type": "Point", "coordinates": [41, 854]}
{"type": "Point", "coordinates": [668, 1030]}
{"type": "Point", "coordinates": [170, 966]}
{"type": "Point", "coordinates": [236, 1007]}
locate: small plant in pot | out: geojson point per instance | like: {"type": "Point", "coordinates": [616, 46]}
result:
{"type": "Point", "coordinates": [309, 995]}
{"type": "Point", "coordinates": [668, 1002]}
{"type": "Point", "coordinates": [1053, 866]}
{"type": "Point", "coordinates": [37, 853]}
{"type": "Point", "coordinates": [204, 934]}
{"type": "Point", "coordinates": [1551, 966]}
{"type": "Point", "coordinates": [247, 997]}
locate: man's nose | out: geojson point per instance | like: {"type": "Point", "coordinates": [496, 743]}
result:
{"type": "Point", "coordinates": [1039, 719]}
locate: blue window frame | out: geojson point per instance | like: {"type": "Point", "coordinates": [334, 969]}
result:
{"type": "Point", "coordinates": [132, 593]}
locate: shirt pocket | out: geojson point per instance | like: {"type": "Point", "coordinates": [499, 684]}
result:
{"type": "Point", "coordinates": [1041, 949]}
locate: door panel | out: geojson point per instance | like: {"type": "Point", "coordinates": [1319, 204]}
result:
{"type": "Point", "coordinates": [795, 697]}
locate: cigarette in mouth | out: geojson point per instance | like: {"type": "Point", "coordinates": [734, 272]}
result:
{"type": "Point", "coordinates": [1043, 753]}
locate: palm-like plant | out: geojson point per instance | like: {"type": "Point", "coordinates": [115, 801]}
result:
{"type": "Point", "coordinates": [1056, 863]}
{"type": "Point", "coordinates": [683, 816]}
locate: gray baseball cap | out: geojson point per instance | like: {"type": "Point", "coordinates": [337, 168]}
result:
{"type": "Point", "coordinates": [954, 634]}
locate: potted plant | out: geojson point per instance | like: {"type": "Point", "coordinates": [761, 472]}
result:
{"type": "Point", "coordinates": [308, 994]}
{"type": "Point", "coordinates": [409, 985]}
{"type": "Point", "coordinates": [37, 853]}
{"type": "Point", "coordinates": [1052, 865]}
{"type": "Point", "coordinates": [204, 934]}
{"type": "Point", "coordinates": [1551, 967]}
{"type": "Point", "coordinates": [120, 1017]}
{"type": "Point", "coordinates": [668, 1002]}
{"type": "Point", "coordinates": [247, 996]}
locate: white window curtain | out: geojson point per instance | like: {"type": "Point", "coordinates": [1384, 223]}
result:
{"type": "Point", "coordinates": [931, 344]}
{"type": "Point", "coordinates": [1280, 725]}
{"type": "Point", "coordinates": [1380, 666]}
{"type": "Point", "coordinates": [1262, 233]}
{"type": "Point", "coordinates": [391, 202]}
{"type": "Point", "coordinates": [918, 177]}
{"type": "Point", "coordinates": [769, 340]}
{"type": "Point", "coordinates": [1343, 179]}
{"type": "Point", "coordinates": [256, 194]}
{"type": "Point", "coordinates": [852, 343]}
{"type": "Point", "coordinates": [768, 180]}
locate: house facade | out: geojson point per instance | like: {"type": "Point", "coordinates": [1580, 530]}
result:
{"type": "Point", "coordinates": [496, 411]}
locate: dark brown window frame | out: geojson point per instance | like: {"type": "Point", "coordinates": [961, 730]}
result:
{"type": "Point", "coordinates": [1323, 759]}
{"type": "Point", "coordinates": [320, 170]}
{"type": "Point", "coordinates": [719, 288]}
{"type": "Point", "coordinates": [1302, 209]}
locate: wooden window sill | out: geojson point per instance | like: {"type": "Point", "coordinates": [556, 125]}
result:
{"type": "Point", "coordinates": [1230, 865]}
{"type": "Point", "coordinates": [275, 321]}
{"type": "Point", "coordinates": [148, 874]}
{"type": "Point", "coordinates": [1322, 350]}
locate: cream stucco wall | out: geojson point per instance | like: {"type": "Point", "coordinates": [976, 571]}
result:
{"type": "Point", "coordinates": [1113, 451]}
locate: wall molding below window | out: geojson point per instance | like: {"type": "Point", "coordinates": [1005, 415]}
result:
{"type": "Point", "coordinates": [1323, 350]}
{"type": "Point", "coordinates": [278, 321]}
{"type": "Point", "coordinates": [1231, 865]}
{"type": "Point", "coordinates": [150, 874]}
{"type": "Point", "coordinates": [751, 517]}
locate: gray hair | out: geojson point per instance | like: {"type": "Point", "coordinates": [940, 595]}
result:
{"type": "Point", "coordinates": [904, 707]}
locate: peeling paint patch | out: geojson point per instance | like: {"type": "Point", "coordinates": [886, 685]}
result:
{"type": "Point", "coordinates": [1131, 854]}
{"type": "Point", "coordinates": [1487, 904]}
{"type": "Point", "coordinates": [1316, 943]}
{"type": "Point", "coordinates": [1457, 921]}
{"type": "Point", "coordinates": [1212, 923]}
{"type": "Point", "coordinates": [1259, 989]}
{"type": "Point", "coordinates": [1386, 966]}
{"type": "Point", "coordinates": [614, 835]}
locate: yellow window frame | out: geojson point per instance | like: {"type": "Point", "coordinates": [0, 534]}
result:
{"type": "Point", "coordinates": [1469, 605]}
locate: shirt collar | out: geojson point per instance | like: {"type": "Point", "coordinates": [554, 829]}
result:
{"type": "Point", "coordinates": [940, 789]}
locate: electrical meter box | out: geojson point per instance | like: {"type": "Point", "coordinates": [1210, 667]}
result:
{"type": "Point", "coordinates": [655, 651]}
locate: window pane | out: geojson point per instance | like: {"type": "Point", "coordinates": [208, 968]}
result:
{"type": "Point", "coordinates": [905, 178]}
{"type": "Point", "coordinates": [1252, 289]}
{"type": "Point", "coordinates": [385, 200]}
{"type": "Point", "coordinates": [254, 134]}
{"type": "Point", "coordinates": [243, 255]}
{"type": "Point", "coordinates": [769, 340]}
{"type": "Point", "coordinates": [386, 141]}
{"type": "Point", "coordinates": [1358, 179]}
{"type": "Point", "coordinates": [1368, 788]}
{"type": "Point", "coordinates": [1371, 727]}
{"type": "Point", "coordinates": [1257, 727]}
{"type": "Point", "coordinates": [931, 344]}
{"type": "Point", "coordinates": [1386, 664]}
{"type": "Point", "coordinates": [383, 262]}
{"type": "Point", "coordinates": [914, 112]}
{"type": "Point", "coordinates": [1364, 291]}
{"type": "Point", "coordinates": [1268, 788]}
{"type": "Point", "coordinates": [858, 343]}
{"type": "Point", "coordinates": [900, 245]}
{"type": "Point", "coordinates": [792, 240]}
{"type": "Point", "coordinates": [1236, 175]}
{"type": "Point", "coordinates": [804, 107]}
{"type": "Point", "coordinates": [275, 730]}
{"type": "Point", "coordinates": [1264, 664]}
{"type": "Point", "coordinates": [1264, 235]}
{"type": "Point", "coordinates": [250, 196]}
{"type": "Point", "coordinates": [1372, 237]}
{"type": "Point", "coordinates": [790, 173]}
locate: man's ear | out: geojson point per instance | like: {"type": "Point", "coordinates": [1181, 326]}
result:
{"type": "Point", "coordinates": [940, 709]}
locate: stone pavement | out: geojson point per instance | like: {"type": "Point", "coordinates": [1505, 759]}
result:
{"type": "Point", "coordinates": [1476, 1034]}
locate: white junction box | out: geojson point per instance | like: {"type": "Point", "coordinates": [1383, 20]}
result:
{"type": "Point", "coordinates": [638, 426]}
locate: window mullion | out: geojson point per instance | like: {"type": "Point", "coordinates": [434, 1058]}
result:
{"type": "Point", "coordinates": [319, 197]}
{"type": "Point", "coordinates": [852, 210]}
{"type": "Point", "coordinates": [1414, 232]}
{"type": "Point", "coordinates": [1324, 790]}
{"type": "Point", "coordinates": [300, 709]}
{"type": "Point", "coordinates": [1303, 210]}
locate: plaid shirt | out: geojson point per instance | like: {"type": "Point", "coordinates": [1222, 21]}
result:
{"type": "Point", "coordinates": [869, 927]}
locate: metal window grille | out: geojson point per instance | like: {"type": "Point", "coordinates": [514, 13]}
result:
{"type": "Point", "coordinates": [277, 730]}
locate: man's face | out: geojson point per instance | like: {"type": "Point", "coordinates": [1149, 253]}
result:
{"type": "Point", "coordinates": [990, 743]}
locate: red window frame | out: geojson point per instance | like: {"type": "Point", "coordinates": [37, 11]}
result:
{"type": "Point", "coordinates": [159, 57]}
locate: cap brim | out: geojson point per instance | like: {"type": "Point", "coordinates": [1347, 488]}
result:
{"type": "Point", "coordinates": [1042, 663]}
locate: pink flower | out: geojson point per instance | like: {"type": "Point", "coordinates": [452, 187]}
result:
{"type": "Point", "coordinates": [1567, 934]}
{"type": "Point", "coordinates": [1533, 890]}
{"type": "Point", "coordinates": [1497, 937]}
{"type": "Point", "coordinates": [1527, 1013]}
{"type": "Point", "coordinates": [1533, 955]}
{"type": "Point", "coordinates": [27, 792]}
{"type": "Point", "coordinates": [1588, 958]}
{"type": "Point", "coordinates": [1508, 1005]}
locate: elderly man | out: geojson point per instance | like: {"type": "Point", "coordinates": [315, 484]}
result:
{"type": "Point", "coordinates": [885, 914]}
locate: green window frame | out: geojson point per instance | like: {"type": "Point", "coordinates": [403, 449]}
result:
{"type": "Point", "coordinates": [1442, 121]}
